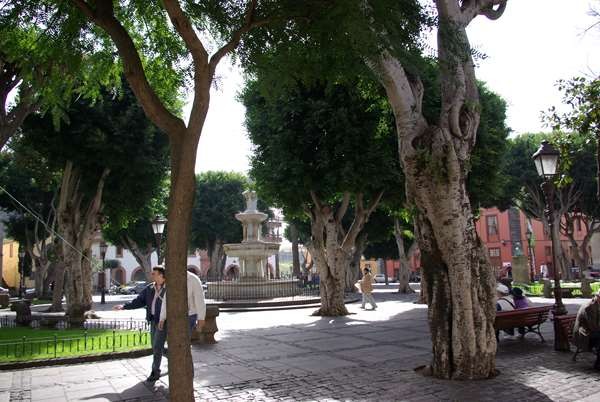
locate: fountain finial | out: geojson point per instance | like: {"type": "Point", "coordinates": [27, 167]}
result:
{"type": "Point", "coordinates": [251, 200]}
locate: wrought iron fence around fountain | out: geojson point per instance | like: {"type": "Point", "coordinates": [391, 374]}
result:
{"type": "Point", "coordinates": [220, 289]}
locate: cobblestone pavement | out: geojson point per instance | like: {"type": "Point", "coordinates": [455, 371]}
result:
{"type": "Point", "coordinates": [290, 355]}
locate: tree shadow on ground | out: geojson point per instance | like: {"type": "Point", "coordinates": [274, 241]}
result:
{"type": "Point", "coordinates": [140, 391]}
{"type": "Point", "coordinates": [359, 357]}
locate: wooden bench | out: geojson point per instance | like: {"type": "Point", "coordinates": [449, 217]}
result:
{"type": "Point", "coordinates": [530, 319]}
{"type": "Point", "coordinates": [565, 324]}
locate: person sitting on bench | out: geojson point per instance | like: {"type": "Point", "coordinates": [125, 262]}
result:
{"type": "Point", "coordinates": [586, 331]}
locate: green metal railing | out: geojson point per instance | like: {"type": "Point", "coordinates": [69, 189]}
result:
{"type": "Point", "coordinates": [58, 346]}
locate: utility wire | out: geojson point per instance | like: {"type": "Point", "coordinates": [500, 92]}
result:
{"type": "Point", "coordinates": [39, 219]}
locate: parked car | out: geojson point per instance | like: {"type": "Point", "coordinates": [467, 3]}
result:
{"type": "Point", "coordinates": [134, 288]}
{"type": "Point", "coordinates": [380, 278]}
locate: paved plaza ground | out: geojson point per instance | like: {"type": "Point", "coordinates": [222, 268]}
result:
{"type": "Point", "coordinates": [290, 355]}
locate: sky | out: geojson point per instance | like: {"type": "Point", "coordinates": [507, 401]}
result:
{"type": "Point", "coordinates": [534, 44]}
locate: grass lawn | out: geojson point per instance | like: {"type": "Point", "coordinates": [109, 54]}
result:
{"type": "Point", "coordinates": [35, 302]}
{"type": "Point", "coordinates": [26, 344]}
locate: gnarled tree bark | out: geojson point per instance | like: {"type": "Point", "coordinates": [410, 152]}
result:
{"type": "Point", "coordinates": [435, 159]}
{"type": "Point", "coordinates": [77, 224]}
{"type": "Point", "coordinates": [332, 247]}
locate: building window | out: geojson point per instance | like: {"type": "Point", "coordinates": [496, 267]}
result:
{"type": "Point", "coordinates": [492, 225]}
{"type": "Point", "coordinates": [548, 250]}
{"type": "Point", "coordinates": [494, 252]}
{"type": "Point", "coordinates": [10, 250]}
{"type": "Point", "coordinates": [578, 220]}
{"type": "Point", "coordinates": [119, 252]}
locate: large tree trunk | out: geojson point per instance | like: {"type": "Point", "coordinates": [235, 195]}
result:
{"type": "Point", "coordinates": [332, 247]}
{"type": "Point", "coordinates": [77, 224]}
{"type": "Point", "coordinates": [295, 251]}
{"type": "Point", "coordinates": [404, 274]}
{"type": "Point", "coordinates": [435, 158]}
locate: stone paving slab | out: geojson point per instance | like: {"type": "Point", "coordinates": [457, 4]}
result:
{"type": "Point", "coordinates": [292, 356]}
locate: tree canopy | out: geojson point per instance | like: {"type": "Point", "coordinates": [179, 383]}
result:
{"type": "Point", "coordinates": [110, 133]}
{"type": "Point", "coordinates": [325, 139]}
{"type": "Point", "coordinates": [218, 198]}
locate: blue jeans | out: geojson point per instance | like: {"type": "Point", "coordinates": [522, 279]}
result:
{"type": "Point", "coordinates": [192, 320]}
{"type": "Point", "coordinates": [157, 338]}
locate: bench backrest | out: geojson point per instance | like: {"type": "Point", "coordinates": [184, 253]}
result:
{"type": "Point", "coordinates": [521, 317]}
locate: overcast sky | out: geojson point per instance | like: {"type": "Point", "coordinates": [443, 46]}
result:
{"type": "Point", "coordinates": [534, 44]}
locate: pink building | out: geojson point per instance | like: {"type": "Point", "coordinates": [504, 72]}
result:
{"type": "Point", "coordinates": [504, 235]}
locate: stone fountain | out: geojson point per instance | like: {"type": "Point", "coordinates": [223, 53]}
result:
{"type": "Point", "coordinates": [252, 253]}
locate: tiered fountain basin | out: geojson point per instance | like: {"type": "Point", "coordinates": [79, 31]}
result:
{"type": "Point", "coordinates": [253, 283]}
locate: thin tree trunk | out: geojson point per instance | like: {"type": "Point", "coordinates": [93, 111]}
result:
{"type": "Point", "coordinates": [86, 272]}
{"type": "Point", "coordinates": [48, 279]}
{"type": "Point", "coordinates": [59, 285]}
{"type": "Point", "coordinates": [183, 160]}
{"type": "Point", "coordinates": [353, 271]}
{"type": "Point", "coordinates": [142, 256]}
{"type": "Point", "coordinates": [215, 256]}
{"type": "Point", "coordinates": [295, 251]}
{"type": "Point", "coordinates": [404, 274]}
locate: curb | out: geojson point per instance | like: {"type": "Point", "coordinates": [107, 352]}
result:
{"type": "Point", "coordinates": [75, 360]}
{"type": "Point", "coordinates": [272, 306]}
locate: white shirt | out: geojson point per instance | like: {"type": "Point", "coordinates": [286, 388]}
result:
{"type": "Point", "coordinates": [506, 303]}
{"type": "Point", "coordinates": [195, 295]}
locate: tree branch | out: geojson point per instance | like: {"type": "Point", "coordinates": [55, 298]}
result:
{"type": "Point", "coordinates": [103, 16]}
{"type": "Point", "coordinates": [492, 9]}
{"type": "Point", "coordinates": [236, 37]}
{"type": "Point", "coordinates": [405, 95]}
{"type": "Point", "coordinates": [343, 208]}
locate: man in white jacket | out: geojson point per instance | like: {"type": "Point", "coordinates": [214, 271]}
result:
{"type": "Point", "coordinates": [196, 304]}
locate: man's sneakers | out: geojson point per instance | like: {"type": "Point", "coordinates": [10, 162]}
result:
{"type": "Point", "coordinates": [154, 376]}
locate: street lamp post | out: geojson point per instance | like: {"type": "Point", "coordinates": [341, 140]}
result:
{"type": "Point", "coordinates": [546, 163]}
{"type": "Point", "coordinates": [103, 248]}
{"type": "Point", "coordinates": [158, 226]}
{"type": "Point", "coordinates": [22, 277]}
{"type": "Point", "coordinates": [529, 235]}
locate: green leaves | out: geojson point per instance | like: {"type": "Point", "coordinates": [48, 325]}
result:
{"type": "Point", "coordinates": [218, 199]}
{"type": "Point", "coordinates": [327, 138]}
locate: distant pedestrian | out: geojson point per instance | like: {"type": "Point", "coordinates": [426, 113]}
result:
{"type": "Point", "coordinates": [519, 299]}
{"type": "Point", "coordinates": [366, 288]}
{"type": "Point", "coordinates": [152, 297]}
